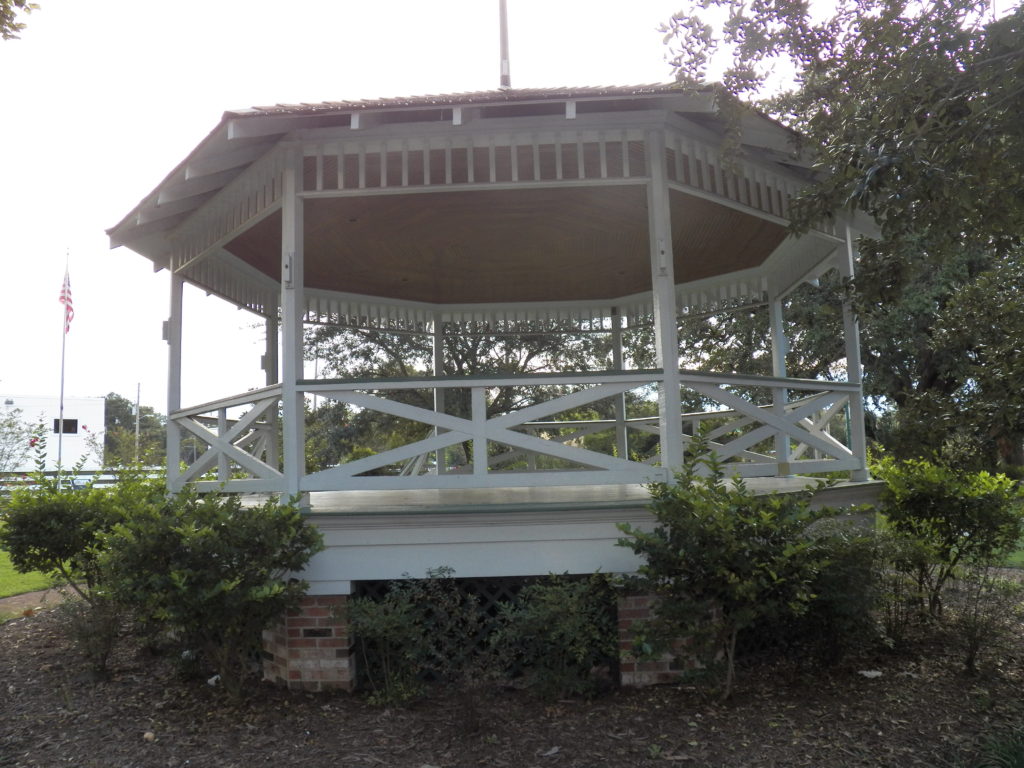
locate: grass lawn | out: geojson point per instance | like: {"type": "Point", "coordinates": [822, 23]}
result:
{"type": "Point", "coordinates": [14, 583]}
{"type": "Point", "coordinates": [1016, 559]}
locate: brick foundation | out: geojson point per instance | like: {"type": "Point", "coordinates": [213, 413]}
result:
{"type": "Point", "coordinates": [311, 649]}
{"type": "Point", "coordinates": [634, 673]}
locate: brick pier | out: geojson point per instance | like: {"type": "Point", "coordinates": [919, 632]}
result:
{"type": "Point", "coordinates": [311, 649]}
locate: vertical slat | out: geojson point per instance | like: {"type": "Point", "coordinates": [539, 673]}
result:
{"type": "Point", "coordinates": [448, 162]}
{"type": "Point", "coordinates": [678, 149]}
{"type": "Point", "coordinates": [492, 163]}
{"type": "Point", "coordinates": [602, 146]}
{"type": "Point", "coordinates": [627, 170]}
{"type": "Point", "coordinates": [405, 163]}
{"type": "Point", "coordinates": [319, 167]}
{"type": "Point", "coordinates": [341, 166]}
{"type": "Point", "coordinates": [558, 156]}
{"type": "Point", "coordinates": [362, 166]}
{"type": "Point", "coordinates": [426, 163]}
{"type": "Point", "coordinates": [580, 172]}
{"type": "Point", "coordinates": [470, 161]}
{"type": "Point", "coordinates": [536, 157]}
{"type": "Point", "coordinates": [383, 165]}
{"type": "Point", "coordinates": [223, 469]}
{"type": "Point", "coordinates": [698, 172]}
{"type": "Point", "coordinates": [514, 158]}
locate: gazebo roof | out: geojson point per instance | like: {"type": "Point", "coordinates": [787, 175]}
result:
{"type": "Point", "coordinates": [478, 205]}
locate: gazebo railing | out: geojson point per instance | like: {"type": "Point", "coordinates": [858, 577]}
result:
{"type": "Point", "coordinates": [758, 427]}
{"type": "Point", "coordinates": [234, 452]}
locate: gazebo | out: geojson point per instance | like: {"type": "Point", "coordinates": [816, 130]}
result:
{"type": "Point", "coordinates": [599, 209]}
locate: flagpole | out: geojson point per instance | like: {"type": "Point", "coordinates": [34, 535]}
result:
{"type": "Point", "coordinates": [69, 312]}
{"type": "Point", "coordinates": [60, 407]}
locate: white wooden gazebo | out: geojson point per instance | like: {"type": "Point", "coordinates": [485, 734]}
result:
{"type": "Point", "coordinates": [592, 208]}
{"type": "Point", "coordinates": [600, 208]}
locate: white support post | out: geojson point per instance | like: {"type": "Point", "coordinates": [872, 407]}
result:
{"type": "Point", "coordinates": [780, 346]}
{"type": "Point", "coordinates": [621, 436]}
{"type": "Point", "coordinates": [666, 326]}
{"type": "Point", "coordinates": [851, 334]}
{"type": "Point", "coordinates": [270, 355]}
{"type": "Point", "coordinates": [292, 310]}
{"type": "Point", "coordinates": [223, 465]}
{"type": "Point", "coordinates": [174, 483]}
{"type": "Point", "coordinates": [271, 369]}
{"type": "Point", "coordinates": [438, 340]}
{"type": "Point", "coordinates": [478, 408]}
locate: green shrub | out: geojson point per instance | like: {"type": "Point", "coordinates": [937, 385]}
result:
{"type": "Point", "coordinates": [721, 559]}
{"type": "Point", "coordinates": [558, 632]}
{"type": "Point", "coordinates": [52, 527]}
{"type": "Point", "coordinates": [958, 517]}
{"type": "Point", "coordinates": [983, 609]}
{"type": "Point", "coordinates": [840, 617]}
{"type": "Point", "coordinates": [420, 630]}
{"type": "Point", "coordinates": [210, 572]}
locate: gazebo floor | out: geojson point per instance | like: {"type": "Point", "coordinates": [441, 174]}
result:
{"type": "Point", "coordinates": [554, 498]}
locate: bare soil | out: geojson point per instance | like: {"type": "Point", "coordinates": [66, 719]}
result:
{"type": "Point", "coordinates": [920, 711]}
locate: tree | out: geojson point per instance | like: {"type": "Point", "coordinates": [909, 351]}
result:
{"type": "Point", "coordinates": [15, 440]}
{"type": "Point", "coordinates": [910, 112]}
{"type": "Point", "coordinates": [119, 433]}
{"type": "Point", "coordinates": [989, 370]}
{"type": "Point", "coordinates": [9, 24]}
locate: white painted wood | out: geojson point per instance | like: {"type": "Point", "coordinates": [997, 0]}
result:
{"type": "Point", "coordinates": [174, 342]}
{"type": "Point", "coordinates": [292, 311]}
{"type": "Point", "coordinates": [228, 402]}
{"type": "Point", "coordinates": [478, 398]}
{"type": "Point", "coordinates": [621, 434]}
{"type": "Point", "coordinates": [478, 545]}
{"type": "Point", "coordinates": [851, 337]}
{"type": "Point", "coordinates": [780, 395]}
{"type": "Point", "coordinates": [223, 466]}
{"type": "Point", "coordinates": [437, 340]}
{"type": "Point", "coordinates": [666, 331]}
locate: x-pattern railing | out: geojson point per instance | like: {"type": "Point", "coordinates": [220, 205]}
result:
{"type": "Point", "coordinates": [757, 426]}
{"type": "Point", "coordinates": [240, 452]}
{"type": "Point", "coordinates": [483, 430]}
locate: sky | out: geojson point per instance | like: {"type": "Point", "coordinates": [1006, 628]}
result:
{"type": "Point", "coordinates": [99, 100]}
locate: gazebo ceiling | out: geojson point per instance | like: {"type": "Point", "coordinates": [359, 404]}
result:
{"type": "Point", "coordinates": [506, 246]}
{"type": "Point", "coordinates": [483, 204]}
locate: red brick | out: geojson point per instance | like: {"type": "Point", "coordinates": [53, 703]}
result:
{"type": "Point", "coordinates": [332, 642]}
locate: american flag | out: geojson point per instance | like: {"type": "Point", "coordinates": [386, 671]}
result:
{"type": "Point", "coordinates": [65, 299]}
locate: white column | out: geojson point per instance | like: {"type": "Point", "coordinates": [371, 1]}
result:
{"type": "Point", "coordinates": [270, 355]}
{"type": "Point", "coordinates": [780, 346]}
{"type": "Point", "coordinates": [271, 369]}
{"type": "Point", "coordinates": [438, 341]}
{"type": "Point", "coordinates": [621, 436]}
{"type": "Point", "coordinates": [851, 334]}
{"type": "Point", "coordinates": [174, 384]}
{"type": "Point", "coordinates": [292, 311]}
{"type": "Point", "coordinates": [663, 288]}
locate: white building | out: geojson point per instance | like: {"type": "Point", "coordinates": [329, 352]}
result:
{"type": "Point", "coordinates": [82, 429]}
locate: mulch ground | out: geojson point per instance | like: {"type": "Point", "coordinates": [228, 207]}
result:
{"type": "Point", "coordinates": [920, 711]}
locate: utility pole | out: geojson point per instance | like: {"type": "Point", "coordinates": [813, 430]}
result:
{"type": "Point", "coordinates": [138, 395]}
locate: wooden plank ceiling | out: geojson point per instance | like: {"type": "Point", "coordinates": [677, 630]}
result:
{"type": "Point", "coordinates": [507, 246]}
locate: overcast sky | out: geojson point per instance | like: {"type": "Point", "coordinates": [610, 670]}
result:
{"type": "Point", "coordinates": [101, 99]}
